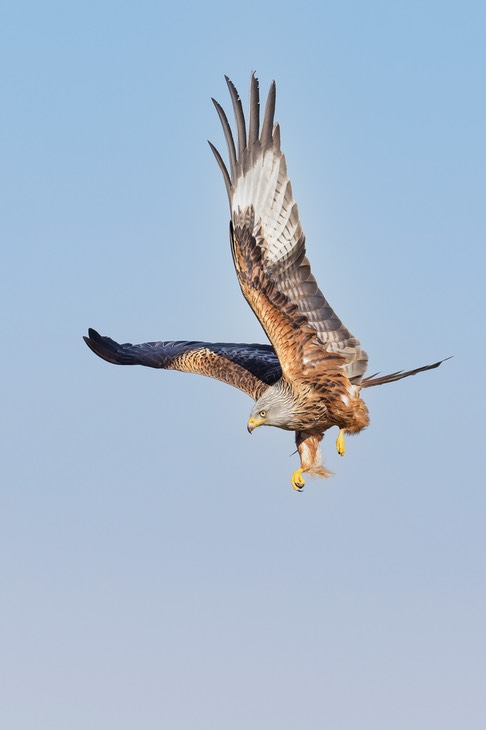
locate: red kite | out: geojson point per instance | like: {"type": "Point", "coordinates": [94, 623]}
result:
{"type": "Point", "coordinates": [311, 375]}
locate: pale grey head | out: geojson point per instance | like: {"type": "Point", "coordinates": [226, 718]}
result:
{"type": "Point", "coordinates": [275, 408]}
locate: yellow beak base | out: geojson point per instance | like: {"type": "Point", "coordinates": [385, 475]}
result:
{"type": "Point", "coordinates": [252, 424]}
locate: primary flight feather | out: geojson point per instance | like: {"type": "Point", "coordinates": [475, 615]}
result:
{"type": "Point", "coordinates": [310, 377]}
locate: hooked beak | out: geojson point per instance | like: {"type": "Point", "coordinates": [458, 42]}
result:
{"type": "Point", "coordinates": [252, 424]}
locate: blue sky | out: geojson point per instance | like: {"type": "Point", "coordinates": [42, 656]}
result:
{"type": "Point", "coordinates": [157, 568]}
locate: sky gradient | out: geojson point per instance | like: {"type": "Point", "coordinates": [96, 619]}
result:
{"type": "Point", "coordinates": [158, 571]}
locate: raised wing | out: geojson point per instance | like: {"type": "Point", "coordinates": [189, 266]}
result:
{"type": "Point", "coordinates": [269, 247]}
{"type": "Point", "coordinates": [251, 368]}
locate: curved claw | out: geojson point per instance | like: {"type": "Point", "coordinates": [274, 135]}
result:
{"type": "Point", "coordinates": [340, 445]}
{"type": "Point", "coordinates": [297, 481]}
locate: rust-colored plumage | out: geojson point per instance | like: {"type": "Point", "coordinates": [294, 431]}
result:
{"type": "Point", "coordinates": [310, 377]}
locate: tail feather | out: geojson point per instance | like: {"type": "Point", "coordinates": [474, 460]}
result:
{"type": "Point", "coordinates": [392, 377]}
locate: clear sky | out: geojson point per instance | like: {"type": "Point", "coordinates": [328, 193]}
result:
{"type": "Point", "coordinates": [157, 569]}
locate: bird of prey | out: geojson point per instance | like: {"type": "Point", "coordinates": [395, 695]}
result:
{"type": "Point", "coordinates": [309, 378]}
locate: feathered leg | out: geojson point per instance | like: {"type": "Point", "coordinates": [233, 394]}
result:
{"type": "Point", "coordinates": [310, 459]}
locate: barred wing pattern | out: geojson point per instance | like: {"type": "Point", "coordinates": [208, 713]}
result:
{"type": "Point", "coordinates": [269, 247]}
{"type": "Point", "coordinates": [251, 368]}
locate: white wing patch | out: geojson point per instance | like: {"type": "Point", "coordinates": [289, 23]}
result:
{"type": "Point", "coordinates": [267, 188]}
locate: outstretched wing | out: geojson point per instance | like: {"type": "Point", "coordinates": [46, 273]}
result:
{"type": "Point", "coordinates": [251, 368]}
{"type": "Point", "coordinates": [269, 248]}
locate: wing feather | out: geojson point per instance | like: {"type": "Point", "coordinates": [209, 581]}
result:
{"type": "Point", "coordinates": [254, 123]}
{"type": "Point", "coordinates": [228, 135]}
{"type": "Point", "coordinates": [239, 116]}
{"type": "Point", "coordinates": [251, 368]}
{"type": "Point", "coordinates": [261, 197]}
{"type": "Point", "coordinates": [224, 170]}
{"type": "Point", "coordinates": [267, 128]}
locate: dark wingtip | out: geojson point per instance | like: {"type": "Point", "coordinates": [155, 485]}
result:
{"type": "Point", "coordinates": [267, 127]}
{"type": "Point", "coordinates": [226, 177]}
{"type": "Point", "coordinates": [92, 342]}
{"type": "Point", "coordinates": [104, 347]}
{"type": "Point", "coordinates": [239, 116]}
{"type": "Point", "coordinates": [228, 136]}
{"type": "Point", "coordinates": [254, 116]}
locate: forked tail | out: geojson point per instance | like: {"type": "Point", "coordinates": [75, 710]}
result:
{"type": "Point", "coordinates": [378, 379]}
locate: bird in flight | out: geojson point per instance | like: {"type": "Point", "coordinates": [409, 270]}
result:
{"type": "Point", "coordinates": [310, 377]}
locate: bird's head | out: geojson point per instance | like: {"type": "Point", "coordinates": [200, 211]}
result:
{"type": "Point", "coordinates": [274, 408]}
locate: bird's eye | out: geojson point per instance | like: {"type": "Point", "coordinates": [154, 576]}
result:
{"type": "Point", "coordinates": [263, 414]}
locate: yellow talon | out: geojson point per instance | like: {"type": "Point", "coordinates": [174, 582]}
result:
{"type": "Point", "coordinates": [340, 445]}
{"type": "Point", "coordinates": [297, 481]}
